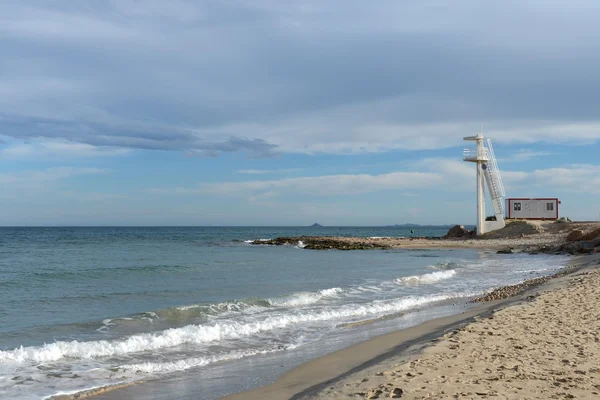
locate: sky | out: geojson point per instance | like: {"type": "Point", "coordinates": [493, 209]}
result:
{"type": "Point", "coordinates": [276, 112]}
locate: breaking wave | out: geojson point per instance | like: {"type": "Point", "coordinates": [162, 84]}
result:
{"type": "Point", "coordinates": [196, 313]}
{"type": "Point", "coordinates": [305, 298]}
{"type": "Point", "coordinates": [256, 240]}
{"type": "Point", "coordinates": [193, 362]}
{"type": "Point", "coordinates": [446, 265]}
{"type": "Point", "coordinates": [205, 334]}
{"type": "Point", "coordinates": [427, 278]}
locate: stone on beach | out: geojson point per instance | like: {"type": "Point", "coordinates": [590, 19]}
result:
{"type": "Point", "coordinates": [457, 231]}
{"type": "Point", "coordinates": [591, 235]}
{"type": "Point", "coordinates": [575, 235]}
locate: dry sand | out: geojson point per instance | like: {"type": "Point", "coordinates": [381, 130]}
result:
{"type": "Point", "coordinates": [498, 243]}
{"type": "Point", "coordinates": [547, 348]}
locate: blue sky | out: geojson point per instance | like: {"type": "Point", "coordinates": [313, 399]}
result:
{"type": "Point", "coordinates": [265, 112]}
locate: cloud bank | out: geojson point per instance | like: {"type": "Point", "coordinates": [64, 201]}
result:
{"type": "Point", "coordinates": [265, 77]}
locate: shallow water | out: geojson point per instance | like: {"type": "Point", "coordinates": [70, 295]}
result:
{"type": "Point", "coordinates": [86, 307]}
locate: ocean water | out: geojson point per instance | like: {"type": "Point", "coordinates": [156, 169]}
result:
{"type": "Point", "coordinates": [88, 307]}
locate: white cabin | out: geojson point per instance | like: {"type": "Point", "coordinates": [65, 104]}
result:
{"type": "Point", "coordinates": [541, 209]}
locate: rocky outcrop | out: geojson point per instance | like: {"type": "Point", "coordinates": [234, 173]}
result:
{"type": "Point", "coordinates": [457, 231]}
{"type": "Point", "coordinates": [321, 243]}
{"type": "Point", "coordinates": [575, 235]}
{"type": "Point", "coordinates": [591, 235]}
{"type": "Point", "coordinates": [577, 247]}
{"type": "Point", "coordinates": [515, 229]}
{"type": "Point", "coordinates": [505, 251]}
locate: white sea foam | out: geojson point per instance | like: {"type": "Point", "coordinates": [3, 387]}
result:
{"type": "Point", "coordinates": [446, 265]}
{"type": "Point", "coordinates": [331, 292]}
{"type": "Point", "coordinates": [369, 289]}
{"type": "Point", "coordinates": [193, 362]}
{"type": "Point", "coordinates": [256, 240]}
{"type": "Point", "coordinates": [427, 278]}
{"type": "Point", "coordinates": [202, 334]}
{"type": "Point", "coordinates": [301, 244]}
{"type": "Point", "coordinates": [305, 298]}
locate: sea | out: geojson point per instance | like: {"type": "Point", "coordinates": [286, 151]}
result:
{"type": "Point", "coordinates": [84, 308]}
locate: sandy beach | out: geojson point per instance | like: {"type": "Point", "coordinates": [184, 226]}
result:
{"type": "Point", "coordinates": [541, 344]}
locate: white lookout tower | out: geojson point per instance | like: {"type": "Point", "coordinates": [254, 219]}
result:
{"type": "Point", "coordinates": [487, 169]}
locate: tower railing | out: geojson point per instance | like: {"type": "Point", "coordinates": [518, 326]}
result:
{"type": "Point", "coordinates": [495, 167]}
{"type": "Point", "coordinates": [474, 155]}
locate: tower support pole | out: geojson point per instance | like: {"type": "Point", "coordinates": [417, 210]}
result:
{"type": "Point", "coordinates": [480, 199]}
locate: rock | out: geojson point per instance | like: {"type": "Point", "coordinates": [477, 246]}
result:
{"type": "Point", "coordinates": [321, 243]}
{"type": "Point", "coordinates": [505, 251]}
{"type": "Point", "coordinates": [457, 231]}
{"type": "Point", "coordinates": [396, 393]}
{"type": "Point", "coordinates": [515, 229]}
{"type": "Point", "coordinates": [579, 247]}
{"type": "Point", "coordinates": [575, 235]}
{"type": "Point", "coordinates": [591, 235]}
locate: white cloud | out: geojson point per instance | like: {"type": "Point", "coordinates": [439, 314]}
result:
{"type": "Point", "coordinates": [363, 129]}
{"type": "Point", "coordinates": [47, 175]}
{"type": "Point", "coordinates": [317, 77]}
{"type": "Point", "coordinates": [57, 149]}
{"type": "Point", "coordinates": [26, 185]}
{"type": "Point", "coordinates": [436, 173]}
{"type": "Point", "coordinates": [93, 196]}
{"type": "Point", "coordinates": [576, 178]}
{"type": "Point", "coordinates": [268, 171]}
{"type": "Point", "coordinates": [328, 185]}
{"type": "Point", "coordinates": [525, 155]}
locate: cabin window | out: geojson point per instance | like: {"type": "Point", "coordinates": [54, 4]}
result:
{"type": "Point", "coordinates": [517, 206]}
{"type": "Point", "coordinates": [549, 206]}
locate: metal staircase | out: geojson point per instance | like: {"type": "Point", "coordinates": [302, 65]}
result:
{"type": "Point", "coordinates": [494, 181]}
{"type": "Point", "coordinates": [487, 171]}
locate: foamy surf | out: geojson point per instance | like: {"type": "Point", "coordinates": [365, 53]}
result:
{"type": "Point", "coordinates": [256, 240]}
{"type": "Point", "coordinates": [432, 277]}
{"type": "Point", "coordinates": [206, 334]}
{"type": "Point", "coordinates": [195, 362]}
{"type": "Point", "coordinates": [306, 298]}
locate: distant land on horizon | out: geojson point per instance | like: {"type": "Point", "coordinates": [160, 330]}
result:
{"type": "Point", "coordinates": [317, 225]}
{"type": "Point", "coordinates": [416, 225]}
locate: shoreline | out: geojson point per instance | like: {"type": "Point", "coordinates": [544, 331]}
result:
{"type": "Point", "coordinates": [311, 378]}
{"type": "Point", "coordinates": [386, 243]}
{"type": "Point", "coordinates": [427, 331]}
{"type": "Point", "coordinates": [522, 236]}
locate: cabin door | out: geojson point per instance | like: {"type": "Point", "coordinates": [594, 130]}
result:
{"type": "Point", "coordinates": [526, 210]}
